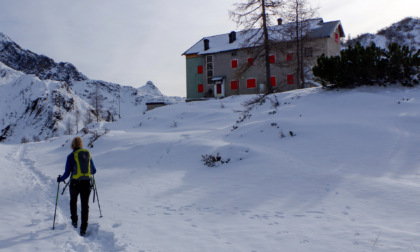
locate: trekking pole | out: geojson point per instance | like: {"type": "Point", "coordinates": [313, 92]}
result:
{"type": "Point", "coordinates": [97, 196]}
{"type": "Point", "coordinates": [64, 189]}
{"type": "Point", "coordinates": [56, 201]}
{"type": "Point", "coordinates": [93, 188]}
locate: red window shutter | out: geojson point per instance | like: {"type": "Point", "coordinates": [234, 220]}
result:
{"type": "Point", "coordinates": [272, 58]}
{"type": "Point", "coordinates": [234, 85]}
{"type": "Point", "coordinates": [273, 81]}
{"type": "Point", "coordinates": [290, 79]}
{"type": "Point", "coordinates": [234, 63]}
{"type": "Point", "coordinates": [289, 57]}
{"type": "Point", "coordinates": [200, 69]}
{"type": "Point", "coordinates": [251, 83]}
{"type": "Point", "coordinates": [336, 38]}
{"type": "Point", "coordinates": [201, 88]}
{"type": "Point", "coordinates": [250, 61]}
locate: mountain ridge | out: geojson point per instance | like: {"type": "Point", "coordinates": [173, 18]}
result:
{"type": "Point", "coordinates": [12, 55]}
{"type": "Point", "coordinates": [40, 98]}
{"type": "Point", "coordinates": [405, 32]}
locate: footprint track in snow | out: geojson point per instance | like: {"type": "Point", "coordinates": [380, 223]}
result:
{"type": "Point", "coordinates": [36, 180]}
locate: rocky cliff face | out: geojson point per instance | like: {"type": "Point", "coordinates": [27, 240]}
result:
{"type": "Point", "coordinates": [12, 55]}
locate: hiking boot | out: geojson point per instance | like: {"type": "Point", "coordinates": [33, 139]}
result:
{"type": "Point", "coordinates": [74, 223]}
{"type": "Point", "coordinates": [83, 228]}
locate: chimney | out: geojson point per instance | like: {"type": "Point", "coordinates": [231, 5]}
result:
{"type": "Point", "coordinates": [279, 21]}
{"type": "Point", "coordinates": [232, 37]}
{"type": "Point", "coordinates": [206, 44]}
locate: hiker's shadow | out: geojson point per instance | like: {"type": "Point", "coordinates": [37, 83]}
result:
{"type": "Point", "coordinates": [29, 238]}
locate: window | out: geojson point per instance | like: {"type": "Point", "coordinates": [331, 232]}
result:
{"type": "Point", "coordinates": [273, 81]}
{"type": "Point", "coordinates": [308, 52]}
{"type": "Point", "coordinates": [234, 84]}
{"type": "Point", "coordinates": [234, 63]}
{"type": "Point", "coordinates": [200, 69]}
{"type": "Point", "coordinates": [250, 61]}
{"type": "Point", "coordinates": [272, 58]}
{"type": "Point", "coordinates": [336, 38]}
{"type": "Point", "coordinates": [209, 62]}
{"type": "Point", "coordinates": [290, 79]}
{"type": "Point", "coordinates": [289, 56]}
{"type": "Point", "coordinates": [200, 88]}
{"type": "Point", "coordinates": [251, 83]}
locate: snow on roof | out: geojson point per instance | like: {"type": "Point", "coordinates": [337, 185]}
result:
{"type": "Point", "coordinates": [220, 43]}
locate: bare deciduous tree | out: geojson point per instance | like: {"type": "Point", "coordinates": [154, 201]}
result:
{"type": "Point", "coordinates": [256, 17]}
{"type": "Point", "coordinates": [96, 101]}
{"type": "Point", "coordinates": [299, 12]}
{"type": "Point", "coordinates": [69, 127]}
{"type": "Point", "coordinates": [77, 117]}
{"type": "Point", "coordinates": [88, 118]}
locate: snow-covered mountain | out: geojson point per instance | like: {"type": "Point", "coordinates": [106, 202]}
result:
{"type": "Point", "coordinates": [405, 32]}
{"type": "Point", "coordinates": [12, 55]}
{"type": "Point", "coordinates": [150, 88]}
{"type": "Point", "coordinates": [40, 98]}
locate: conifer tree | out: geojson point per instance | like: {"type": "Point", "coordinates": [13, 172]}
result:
{"type": "Point", "coordinates": [372, 65]}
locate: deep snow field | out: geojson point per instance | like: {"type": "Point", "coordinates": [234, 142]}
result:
{"type": "Point", "coordinates": [347, 180]}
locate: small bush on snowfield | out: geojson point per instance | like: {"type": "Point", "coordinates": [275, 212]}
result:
{"type": "Point", "coordinates": [213, 161]}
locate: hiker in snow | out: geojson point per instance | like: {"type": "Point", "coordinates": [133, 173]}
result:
{"type": "Point", "coordinates": [80, 165]}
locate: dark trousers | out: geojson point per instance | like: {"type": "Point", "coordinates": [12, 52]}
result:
{"type": "Point", "coordinates": [82, 187]}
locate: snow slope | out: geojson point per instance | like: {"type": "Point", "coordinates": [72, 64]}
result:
{"type": "Point", "coordinates": [347, 180]}
{"type": "Point", "coordinates": [405, 33]}
{"type": "Point", "coordinates": [32, 109]}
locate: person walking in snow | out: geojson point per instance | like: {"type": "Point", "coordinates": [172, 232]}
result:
{"type": "Point", "coordinates": [80, 165]}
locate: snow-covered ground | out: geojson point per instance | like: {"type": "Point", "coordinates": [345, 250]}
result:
{"type": "Point", "coordinates": [347, 180]}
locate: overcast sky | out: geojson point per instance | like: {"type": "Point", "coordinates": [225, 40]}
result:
{"type": "Point", "coordinates": [132, 41]}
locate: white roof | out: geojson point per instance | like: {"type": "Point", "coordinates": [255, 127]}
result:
{"type": "Point", "coordinates": [220, 43]}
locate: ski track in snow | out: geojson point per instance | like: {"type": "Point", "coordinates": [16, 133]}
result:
{"type": "Point", "coordinates": [41, 220]}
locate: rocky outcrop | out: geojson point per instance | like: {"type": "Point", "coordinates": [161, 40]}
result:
{"type": "Point", "coordinates": [12, 55]}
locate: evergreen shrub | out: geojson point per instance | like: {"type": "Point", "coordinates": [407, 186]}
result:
{"type": "Point", "coordinates": [358, 65]}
